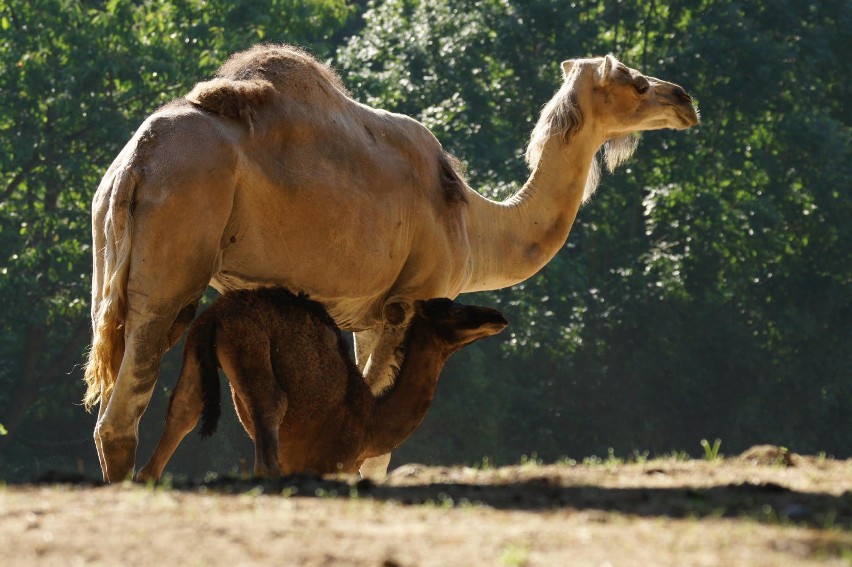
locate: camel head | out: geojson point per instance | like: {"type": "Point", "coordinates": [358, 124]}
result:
{"type": "Point", "coordinates": [621, 100]}
{"type": "Point", "coordinates": [611, 99]}
{"type": "Point", "coordinates": [456, 324]}
{"type": "Point", "coordinates": [609, 102]}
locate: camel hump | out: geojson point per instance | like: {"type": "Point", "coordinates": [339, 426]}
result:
{"type": "Point", "coordinates": [235, 99]}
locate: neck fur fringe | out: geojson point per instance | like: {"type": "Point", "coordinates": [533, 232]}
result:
{"type": "Point", "coordinates": [563, 117]}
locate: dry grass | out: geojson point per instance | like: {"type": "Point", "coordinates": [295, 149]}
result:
{"type": "Point", "coordinates": [742, 511]}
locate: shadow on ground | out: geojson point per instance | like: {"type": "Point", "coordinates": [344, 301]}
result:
{"type": "Point", "coordinates": [765, 502]}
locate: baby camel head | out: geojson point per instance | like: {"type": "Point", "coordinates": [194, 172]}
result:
{"type": "Point", "coordinates": [455, 324]}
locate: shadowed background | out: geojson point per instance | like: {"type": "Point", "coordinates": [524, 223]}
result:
{"type": "Point", "coordinates": [703, 293]}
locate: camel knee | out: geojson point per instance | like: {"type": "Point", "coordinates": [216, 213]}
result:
{"type": "Point", "coordinates": [107, 430]}
{"type": "Point", "coordinates": [397, 312]}
{"type": "Point", "coordinates": [182, 420]}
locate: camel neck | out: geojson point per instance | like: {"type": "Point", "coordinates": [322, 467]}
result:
{"type": "Point", "coordinates": [398, 412]}
{"type": "Point", "coordinates": [512, 240]}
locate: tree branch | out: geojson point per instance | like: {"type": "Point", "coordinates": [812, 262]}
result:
{"type": "Point", "coordinates": [19, 178]}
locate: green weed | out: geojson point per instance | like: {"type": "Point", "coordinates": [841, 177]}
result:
{"type": "Point", "coordinates": [532, 460]}
{"type": "Point", "coordinates": [711, 452]}
{"type": "Point", "coordinates": [515, 555]}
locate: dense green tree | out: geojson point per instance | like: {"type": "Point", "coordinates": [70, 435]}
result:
{"type": "Point", "coordinates": [704, 292]}
{"type": "Point", "coordinates": [76, 79]}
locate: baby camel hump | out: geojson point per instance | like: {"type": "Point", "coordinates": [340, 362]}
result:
{"type": "Point", "coordinates": [290, 342]}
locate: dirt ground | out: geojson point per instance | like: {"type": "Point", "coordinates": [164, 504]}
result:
{"type": "Point", "coordinates": [765, 507]}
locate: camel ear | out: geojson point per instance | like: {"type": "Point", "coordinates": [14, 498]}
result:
{"type": "Point", "coordinates": [566, 67]}
{"type": "Point", "coordinates": [435, 309]}
{"type": "Point", "coordinates": [605, 70]}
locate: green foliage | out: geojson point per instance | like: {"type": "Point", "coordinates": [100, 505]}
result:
{"type": "Point", "coordinates": [706, 288]}
{"type": "Point", "coordinates": [76, 79]}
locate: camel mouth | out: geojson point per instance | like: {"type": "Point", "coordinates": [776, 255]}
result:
{"type": "Point", "coordinates": [687, 115]}
{"type": "Point", "coordinates": [491, 322]}
{"type": "Point", "coordinates": [498, 321]}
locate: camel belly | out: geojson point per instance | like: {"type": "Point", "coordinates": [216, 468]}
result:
{"type": "Point", "coordinates": [352, 275]}
{"type": "Point", "coordinates": [352, 302]}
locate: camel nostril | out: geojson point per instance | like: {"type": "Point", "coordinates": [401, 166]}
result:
{"type": "Point", "coordinates": [681, 94]}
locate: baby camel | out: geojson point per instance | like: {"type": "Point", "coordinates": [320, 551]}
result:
{"type": "Point", "coordinates": [296, 389]}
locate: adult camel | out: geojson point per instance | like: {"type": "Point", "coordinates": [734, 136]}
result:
{"type": "Point", "coordinates": [270, 174]}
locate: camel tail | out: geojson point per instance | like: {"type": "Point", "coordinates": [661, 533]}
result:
{"type": "Point", "coordinates": [205, 353]}
{"type": "Point", "coordinates": [109, 314]}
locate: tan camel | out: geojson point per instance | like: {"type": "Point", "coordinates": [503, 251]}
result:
{"type": "Point", "coordinates": [297, 390]}
{"type": "Point", "coordinates": [270, 174]}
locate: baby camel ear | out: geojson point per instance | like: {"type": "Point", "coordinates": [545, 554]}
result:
{"type": "Point", "coordinates": [567, 65]}
{"type": "Point", "coordinates": [605, 70]}
{"type": "Point", "coordinates": [420, 308]}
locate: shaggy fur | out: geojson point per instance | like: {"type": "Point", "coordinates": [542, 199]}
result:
{"type": "Point", "coordinates": [563, 117]}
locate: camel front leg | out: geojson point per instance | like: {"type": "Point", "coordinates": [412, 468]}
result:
{"type": "Point", "coordinates": [375, 468]}
{"type": "Point", "coordinates": [381, 368]}
{"type": "Point", "coordinates": [365, 342]}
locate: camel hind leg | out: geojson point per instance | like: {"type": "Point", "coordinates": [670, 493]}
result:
{"type": "Point", "coordinates": [180, 204]}
{"type": "Point", "coordinates": [165, 282]}
{"type": "Point", "coordinates": [116, 432]}
{"type": "Point", "coordinates": [154, 321]}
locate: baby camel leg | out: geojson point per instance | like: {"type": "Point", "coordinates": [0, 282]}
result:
{"type": "Point", "coordinates": [266, 445]}
{"type": "Point", "coordinates": [259, 401]}
{"type": "Point", "coordinates": [185, 408]}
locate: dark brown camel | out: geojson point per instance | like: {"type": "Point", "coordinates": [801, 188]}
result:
{"type": "Point", "coordinates": [296, 389]}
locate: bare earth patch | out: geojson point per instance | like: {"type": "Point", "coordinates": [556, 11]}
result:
{"type": "Point", "coordinates": [763, 508]}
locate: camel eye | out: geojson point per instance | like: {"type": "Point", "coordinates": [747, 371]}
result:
{"type": "Point", "coordinates": [641, 87]}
